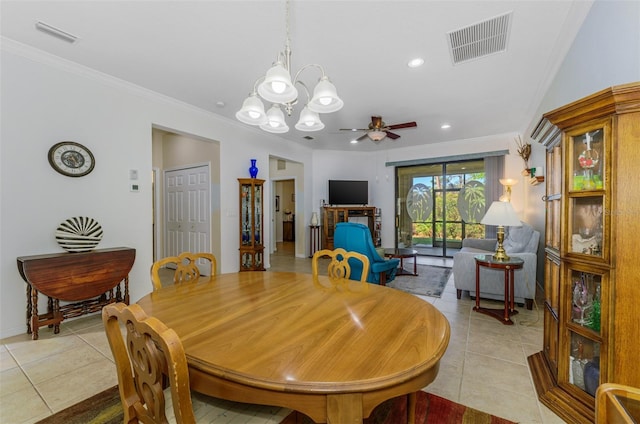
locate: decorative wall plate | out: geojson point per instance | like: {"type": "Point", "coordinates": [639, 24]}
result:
{"type": "Point", "coordinates": [79, 234]}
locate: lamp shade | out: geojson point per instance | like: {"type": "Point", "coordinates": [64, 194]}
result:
{"type": "Point", "coordinates": [309, 121]}
{"type": "Point", "coordinates": [501, 213]}
{"type": "Point", "coordinates": [275, 121]}
{"type": "Point", "coordinates": [277, 86]}
{"type": "Point", "coordinates": [325, 97]}
{"type": "Point", "coordinates": [508, 181]}
{"type": "Point", "coordinates": [252, 111]}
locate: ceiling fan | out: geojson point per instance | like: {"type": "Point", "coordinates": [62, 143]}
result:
{"type": "Point", "coordinates": [378, 130]}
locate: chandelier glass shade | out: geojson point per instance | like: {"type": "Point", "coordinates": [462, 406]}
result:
{"type": "Point", "coordinates": [278, 88]}
{"type": "Point", "coordinates": [275, 122]}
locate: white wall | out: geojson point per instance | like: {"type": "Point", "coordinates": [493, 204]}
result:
{"type": "Point", "coordinates": [46, 100]}
{"type": "Point", "coordinates": [605, 52]}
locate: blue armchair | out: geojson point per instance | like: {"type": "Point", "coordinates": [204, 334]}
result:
{"type": "Point", "coordinates": [356, 237]}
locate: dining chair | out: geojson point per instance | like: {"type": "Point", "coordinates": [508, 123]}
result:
{"type": "Point", "coordinates": [339, 266]}
{"type": "Point", "coordinates": [151, 354]}
{"type": "Point", "coordinates": [148, 355]}
{"type": "Point", "coordinates": [186, 267]}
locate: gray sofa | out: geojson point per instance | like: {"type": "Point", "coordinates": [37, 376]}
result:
{"type": "Point", "coordinates": [520, 242]}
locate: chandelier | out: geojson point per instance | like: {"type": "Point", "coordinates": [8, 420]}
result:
{"type": "Point", "coordinates": [278, 88]}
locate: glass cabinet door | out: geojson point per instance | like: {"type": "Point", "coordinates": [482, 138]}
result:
{"type": "Point", "coordinates": [245, 214]}
{"type": "Point", "coordinates": [584, 371]}
{"type": "Point", "coordinates": [588, 294]}
{"type": "Point", "coordinates": [587, 160]}
{"type": "Point", "coordinates": [587, 184]}
{"type": "Point", "coordinates": [257, 205]}
{"type": "Point", "coordinates": [586, 298]}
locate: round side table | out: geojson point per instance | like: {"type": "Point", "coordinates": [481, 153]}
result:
{"type": "Point", "coordinates": [509, 266]}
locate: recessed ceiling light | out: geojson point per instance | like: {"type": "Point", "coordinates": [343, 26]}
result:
{"type": "Point", "coordinates": [414, 63]}
{"type": "Point", "coordinates": [445, 126]}
{"type": "Point", "coordinates": [354, 141]}
{"type": "Point", "coordinates": [220, 104]}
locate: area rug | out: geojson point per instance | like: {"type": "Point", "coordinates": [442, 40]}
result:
{"type": "Point", "coordinates": [104, 408]}
{"type": "Point", "coordinates": [431, 281]}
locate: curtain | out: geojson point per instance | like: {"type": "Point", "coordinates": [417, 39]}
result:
{"type": "Point", "coordinates": [493, 171]}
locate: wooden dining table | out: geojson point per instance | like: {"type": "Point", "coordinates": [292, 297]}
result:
{"type": "Point", "coordinates": [330, 349]}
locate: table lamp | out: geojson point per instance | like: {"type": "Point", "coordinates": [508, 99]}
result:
{"type": "Point", "coordinates": [501, 214]}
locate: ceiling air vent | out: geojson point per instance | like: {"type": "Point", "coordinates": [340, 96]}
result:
{"type": "Point", "coordinates": [56, 32]}
{"type": "Point", "coordinates": [481, 39]}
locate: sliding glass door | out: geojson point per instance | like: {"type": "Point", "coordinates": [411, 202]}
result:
{"type": "Point", "coordinates": [431, 202]}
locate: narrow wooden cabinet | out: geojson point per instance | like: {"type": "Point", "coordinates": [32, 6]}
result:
{"type": "Point", "coordinates": [331, 215]}
{"type": "Point", "coordinates": [251, 224]}
{"type": "Point", "coordinates": [592, 274]}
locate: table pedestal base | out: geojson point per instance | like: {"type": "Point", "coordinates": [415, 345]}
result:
{"type": "Point", "coordinates": [496, 313]}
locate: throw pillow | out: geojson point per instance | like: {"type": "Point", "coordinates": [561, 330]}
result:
{"type": "Point", "coordinates": [516, 239]}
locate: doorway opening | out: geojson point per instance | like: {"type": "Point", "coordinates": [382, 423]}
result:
{"type": "Point", "coordinates": [284, 221]}
{"type": "Point", "coordinates": [186, 194]}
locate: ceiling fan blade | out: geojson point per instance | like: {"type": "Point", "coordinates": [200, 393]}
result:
{"type": "Point", "coordinates": [362, 137]}
{"type": "Point", "coordinates": [354, 129]}
{"type": "Point", "coordinates": [405, 125]}
{"type": "Point", "coordinates": [392, 135]}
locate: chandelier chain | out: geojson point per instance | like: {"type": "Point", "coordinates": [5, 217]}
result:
{"type": "Point", "coordinates": [287, 12]}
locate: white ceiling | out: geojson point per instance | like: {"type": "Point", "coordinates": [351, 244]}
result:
{"type": "Point", "coordinates": [205, 52]}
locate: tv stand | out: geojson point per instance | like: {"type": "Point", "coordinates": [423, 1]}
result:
{"type": "Point", "coordinates": [331, 215]}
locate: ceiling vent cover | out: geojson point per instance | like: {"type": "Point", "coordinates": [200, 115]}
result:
{"type": "Point", "coordinates": [481, 39]}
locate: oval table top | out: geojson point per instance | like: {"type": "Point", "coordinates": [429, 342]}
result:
{"type": "Point", "coordinates": [288, 332]}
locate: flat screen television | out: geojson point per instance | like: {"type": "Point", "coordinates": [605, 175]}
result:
{"type": "Point", "coordinates": [348, 192]}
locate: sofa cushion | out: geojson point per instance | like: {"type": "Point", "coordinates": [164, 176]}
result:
{"type": "Point", "coordinates": [518, 239]}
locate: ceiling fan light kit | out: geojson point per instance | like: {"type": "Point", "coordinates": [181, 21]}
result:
{"type": "Point", "coordinates": [277, 87]}
{"type": "Point", "coordinates": [376, 135]}
{"type": "Point", "coordinates": [378, 130]}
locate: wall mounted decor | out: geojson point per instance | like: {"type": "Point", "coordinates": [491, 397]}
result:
{"type": "Point", "coordinates": [71, 159]}
{"type": "Point", "coordinates": [79, 234]}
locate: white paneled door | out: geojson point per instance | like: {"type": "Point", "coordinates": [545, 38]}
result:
{"type": "Point", "coordinates": [187, 194]}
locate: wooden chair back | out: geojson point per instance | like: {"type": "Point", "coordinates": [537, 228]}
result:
{"type": "Point", "coordinates": [151, 355]}
{"type": "Point", "coordinates": [186, 267]}
{"type": "Point", "coordinates": [339, 267]}
{"type": "Point", "coordinates": [617, 404]}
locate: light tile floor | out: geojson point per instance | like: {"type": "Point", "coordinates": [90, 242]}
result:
{"type": "Point", "coordinates": [484, 367]}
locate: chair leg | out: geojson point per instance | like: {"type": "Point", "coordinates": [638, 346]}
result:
{"type": "Point", "coordinates": [529, 303]}
{"type": "Point", "coordinates": [383, 278]}
{"type": "Point", "coordinates": [458, 293]}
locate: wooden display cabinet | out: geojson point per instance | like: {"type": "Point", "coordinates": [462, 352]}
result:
{"type": "Point", "coordinates": [591, 331]}
{"type": "Point", "coordinates": [251, 224]}
{"type": "Point", "coordinates": [331, 215]}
